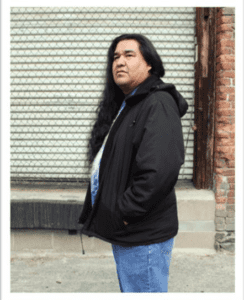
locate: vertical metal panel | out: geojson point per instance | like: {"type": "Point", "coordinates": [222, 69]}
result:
{"type": "Point", "coordinates": [58, 60]}
{"type": "Point", "coordinates": [205, 98]}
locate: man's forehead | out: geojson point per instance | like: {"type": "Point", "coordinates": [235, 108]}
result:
{"type": "Point", "coordinates": [127, 46]}
{"type": "Point", "coordinates": [125, 50]}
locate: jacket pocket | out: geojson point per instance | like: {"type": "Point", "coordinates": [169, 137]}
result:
{"type": "Point", "coordinates": [118, 221]}
{"type": "Point", "coordinates": [106, 222]}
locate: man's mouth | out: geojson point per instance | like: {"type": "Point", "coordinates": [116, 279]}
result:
{"type": "Point", "coordinates": [119, 72]}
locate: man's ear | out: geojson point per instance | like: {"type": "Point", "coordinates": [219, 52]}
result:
{"type": "Point", "coordinates": [149, 68]}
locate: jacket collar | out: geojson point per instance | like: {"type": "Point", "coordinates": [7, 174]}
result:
{"type": "Point", "coordinates": [147, 86]}
{"type": "Point", "coordinates": [153, 83]}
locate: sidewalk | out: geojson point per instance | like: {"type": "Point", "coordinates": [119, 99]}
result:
{"type": "Point", "coordinates": [190, 272]}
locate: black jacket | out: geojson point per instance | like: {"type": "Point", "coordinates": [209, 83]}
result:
{"type": "Point", "coordinates": [139, 169]}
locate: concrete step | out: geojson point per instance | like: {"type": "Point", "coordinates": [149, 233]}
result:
{"type": "Point", "coordinates": [49, 242]}
{"type": "Point", "coordinates": [196, 213]}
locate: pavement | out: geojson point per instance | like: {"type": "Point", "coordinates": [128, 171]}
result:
{"type": "Point", "coordinates": [190, 272]}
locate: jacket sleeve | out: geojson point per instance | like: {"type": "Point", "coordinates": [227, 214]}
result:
{"type": "Point", "coordinates": [159, 156]}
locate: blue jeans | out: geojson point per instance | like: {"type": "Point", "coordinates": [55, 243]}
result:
{"type": "Point", "coordinates": [143, 269]}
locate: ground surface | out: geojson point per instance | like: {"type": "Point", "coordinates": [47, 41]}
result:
{"type": "Point", "coordinates": [189, 273]}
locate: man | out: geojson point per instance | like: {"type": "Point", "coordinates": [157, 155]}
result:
{"type": "Point", "coordinates": [136, 151]}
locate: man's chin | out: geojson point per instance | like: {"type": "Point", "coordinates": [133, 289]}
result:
{"type": "Point", "coordinates": [122, 82]}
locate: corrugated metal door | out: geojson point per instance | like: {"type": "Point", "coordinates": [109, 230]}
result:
{"type": "Point", "coordinates": [58, 57]}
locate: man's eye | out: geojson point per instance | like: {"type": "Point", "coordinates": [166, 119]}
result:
{"type": "Point", "coordinates": [115, 57]}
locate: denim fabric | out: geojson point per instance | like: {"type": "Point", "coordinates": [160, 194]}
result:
{"type": "Point", "coordinates": [143, 269]}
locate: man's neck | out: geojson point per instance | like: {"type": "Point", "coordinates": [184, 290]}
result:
{"type": "Point", "coordinates": [131, 92]}
{"type": "Point", "coordinates": [126, 92]}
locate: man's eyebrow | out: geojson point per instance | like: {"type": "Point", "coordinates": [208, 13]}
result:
{"type": "Point", "coordinates": [126, 51]}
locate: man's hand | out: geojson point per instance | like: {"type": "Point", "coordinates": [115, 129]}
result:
{"type": "Point", "coordinates": [125, 223]}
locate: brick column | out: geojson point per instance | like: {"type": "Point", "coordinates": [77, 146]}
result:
{"type": "Point", "coordinates": [224, 154]}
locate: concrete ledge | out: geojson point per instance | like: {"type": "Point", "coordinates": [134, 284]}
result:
{"type": "Point", "coordinates": [78, 195]}
{"type": "Point", "coordinates": [203, 240]}
{"type": "Point", "coordinates": [194, 194]}
{"type": "Point", "coordinates": [32, 239]}
{"type": "Point", "coordinates": [74, 195]}
{"type": "Point", "coordinates": [43, 254]}
{"type": "Point", "coordinates": [197, 226]}
{"type": "Point", "coordinates": [60, 209]}
{"type": "Point", "coordinates": [195, 210]}
{"type": "Point", "coordinates": [60, 241]}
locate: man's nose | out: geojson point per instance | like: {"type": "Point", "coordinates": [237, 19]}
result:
{"type": "Point", "coordinates": [120, 60]}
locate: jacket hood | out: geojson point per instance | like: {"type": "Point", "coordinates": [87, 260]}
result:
{"type": "Point", "coordinates": [153, 83]}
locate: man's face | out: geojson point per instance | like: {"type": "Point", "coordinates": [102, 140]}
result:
{"type": "Point", "coordinates": [129, 67]}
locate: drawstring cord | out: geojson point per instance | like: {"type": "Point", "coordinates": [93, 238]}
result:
{"type": "Point", "coordinates": [83, 251]}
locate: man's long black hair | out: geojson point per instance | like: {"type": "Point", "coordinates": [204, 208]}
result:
{"type": "Point", "coordinates": [112, 96]}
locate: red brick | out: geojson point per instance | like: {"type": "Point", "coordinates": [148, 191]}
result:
{"type": "Point", "coordinates": [218, 178]}
{"type": "Point", "coordinates": [224, 20]}
{"type": "Point", "coordinates": [220, 206]}
{"type": "Point", "coordinates": [229, 172]}
{"type": "Point", "coordinates": [226, 150]}
{"type": "Point", "coordinates": [225, 66]}
{"type": "Point", "coordinates": [225, 172]}
{"type": "Point", "coordinates": [220, 13]}
{"type": "Point", "coordinates": [225, 142]}
{"type": "Point", "coordinates": [220, 193]}
{"type": "Point", "coordinates": [219, 171]}
{"type": "Point", "coordinates": [232, 97]}
{"type": "Point", "coordinates": [225, 50]}
{"type": "Point", "coordinates": [223, 81]}
{"type": "Point", "coordinates": [219, 163]}
{"type": "Point", "coordinates": [231, 193]}
{"type": "Point", "coordinates": [225, 43]}
{"type": "Point", "coordinates": [232, 135]}
{"type": "Point", "coordinates": [231, 179]}
{"type": "Point", "coordinates": [221, 96]}
{"type": "Point", "coordinates": [222, 104]}
{"type": "Point", "coordinates": [225, 58]}
{"type": "Point", "coordinates": [231, 163]}
{"type": "Point", "coordinates": [224, 28]}
{"type": "Point", "coordinates": [225, 89]}
{"type": "Point", "coordinates": [224, 120]}
{"type": "Point", "coordinates": [233, 81]}
{"type": "Point", "coordinates": [226, 127]}
{"type": "Point", "coordinates": [232, 186]}
{"type": "Point", "coordinates": [226, 156]}
{"type": "Point", "coordinates": [225, 74]}
{"type": "Point", "coordinates": [218, 185]}
{"type": "Point", "coordinates": [216, 154]}
{"type": "Point", "coordinates": [224, 36]}
{"type": "Point", "coordinates": [221, 134]}
{"type": "Point", "coordinates": [221, 199]}
{"type": "Point", "coordinates": [224, 112]}
{"type": "Point", "coordinates": [230, 200]}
